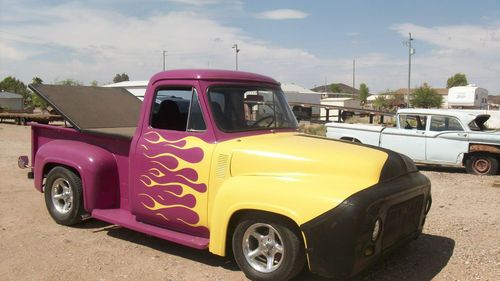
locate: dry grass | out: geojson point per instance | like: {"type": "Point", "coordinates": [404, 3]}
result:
{"type": "Point", "coordinates": [313, 129]}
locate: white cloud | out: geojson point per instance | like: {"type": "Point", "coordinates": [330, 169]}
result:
{"type": "Point", "coordinates": [282, 14]}
{"type": "Point", "coordinates": [195, 2]}
{"type": "Point", "coordinates": [470, 49]}
{"type": "Point", "coordinates": [90, 44]}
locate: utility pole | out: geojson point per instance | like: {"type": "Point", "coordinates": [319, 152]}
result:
{"type": "Point", "coordinates": [411, 51]}
{"type": "Point", "coordinates": [164, 55]}
{"type": "Point", "coordinates": [235, 47]}
{"type": "Point", "coordinates": [353, 75]}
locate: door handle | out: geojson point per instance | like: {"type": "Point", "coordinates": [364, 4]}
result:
{"type": "Point", "coordinates": [462, 134]}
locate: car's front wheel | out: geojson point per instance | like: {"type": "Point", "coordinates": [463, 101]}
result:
{"type": "Point", "coordinates": [267, 248]}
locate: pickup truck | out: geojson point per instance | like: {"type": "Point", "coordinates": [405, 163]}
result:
{"type": "Point", "coordinates": [212, 159]}
{"type": "Point", "coordinates": [433, 136]}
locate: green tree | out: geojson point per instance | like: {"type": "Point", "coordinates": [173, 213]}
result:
{"type": "Point", "coordinates": [36, 100]}
{"type": "Point", "coordinates": [425, 97]}
{"type": "Point", "coordinates": [13, 85]}
{"type": "Point", "coordinates": [363, 93]}
{"type": "Point", "coordinates": [69, 82]}
{"type": "Point", "coordinates": [335, 88]}
{"type": "Point", "coordinates": [380, 103]}
{"type": "Point", "coordinates": [94, 83]}
{"type": "Point", "coordinates": [120, 78]}
{"type": "Point", "coordinates": [459, 79]}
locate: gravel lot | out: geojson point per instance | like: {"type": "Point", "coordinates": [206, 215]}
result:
{"type": "Point", "coordinates": [461, 240]}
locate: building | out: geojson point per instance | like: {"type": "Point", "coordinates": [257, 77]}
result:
{"type": "Point", "coordinates": [137, 88]}
{"type": "Point", "coordinates": [11, 101]}
{"type": "Point", "coordinates": [343, 90]}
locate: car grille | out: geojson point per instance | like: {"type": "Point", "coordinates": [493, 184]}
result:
{"type": "Point", "coordinates": [402, 220]}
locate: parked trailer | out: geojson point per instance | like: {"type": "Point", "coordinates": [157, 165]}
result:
{"type": "Point", "coordinates": [24, 118]}
{"type": "Point", "coordinates": [468, 97]}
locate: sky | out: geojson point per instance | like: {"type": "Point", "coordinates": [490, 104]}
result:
{"type": "Point", "coordinates": [301, 42]}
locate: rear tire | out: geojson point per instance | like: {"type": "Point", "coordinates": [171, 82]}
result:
{"type": "Point", "coordinates": [64, 196]}
{"type": "Point", "coordinates": [266, 248]}
{"type": "Point", "coordinates": [481, 164]}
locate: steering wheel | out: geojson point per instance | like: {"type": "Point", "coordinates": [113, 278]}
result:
{"type": "Point", "coordinates": [408, 126]}
{"type": "Point", "coordinates": [262, 119]}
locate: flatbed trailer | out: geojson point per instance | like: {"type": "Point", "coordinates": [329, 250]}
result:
{"type": "Point", "coordinates": [24, 118]}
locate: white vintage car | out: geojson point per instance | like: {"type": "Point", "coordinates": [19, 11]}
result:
{"type": "Point", "coordinates": [432, 136]}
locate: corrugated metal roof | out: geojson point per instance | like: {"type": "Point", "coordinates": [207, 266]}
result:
{"type": "Point", "coordinates": [8, 95]}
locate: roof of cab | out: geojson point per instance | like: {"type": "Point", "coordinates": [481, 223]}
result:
{"type": "Point", "coordinates": [212, 74]}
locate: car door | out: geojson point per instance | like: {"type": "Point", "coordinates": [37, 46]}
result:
{"type": "Point", "coordinates": [446, 140]}
{"type": "Point", "coordinates": [172, 161]}
{"type": "Point", "coordinates": [408, 137]}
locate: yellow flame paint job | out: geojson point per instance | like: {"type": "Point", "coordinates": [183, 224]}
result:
{"type": "Point", "coordinates": [202, 168]}
{"type": "Point", "coordinates": [288, 174]}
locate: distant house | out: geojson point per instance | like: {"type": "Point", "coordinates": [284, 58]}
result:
{"type": "Point", "coordinates": [345, 90]}
{"type": "Point", "coordinates": [11, 101]}
{"type": "Point", "coordinates": [137, 88]}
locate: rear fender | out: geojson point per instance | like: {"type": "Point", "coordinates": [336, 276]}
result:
{"type": "Point", "coordinates": [95, 165]}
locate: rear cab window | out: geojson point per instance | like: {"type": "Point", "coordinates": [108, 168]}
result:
{"type": "Point", "coordinates": [177, 109]}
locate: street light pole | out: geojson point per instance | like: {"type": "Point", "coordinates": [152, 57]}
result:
{"type": "Point", "coordinates": [235, 47]}
{"type": "Point", "coordinates": [411, 51]}
{"type": "Point", "coordinates": [164, 55]}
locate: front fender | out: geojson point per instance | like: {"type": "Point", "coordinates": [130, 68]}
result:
{"type": "Point", "coordinates": [298, 197]}
{"type": "Point", "coordinates": [95, 165]}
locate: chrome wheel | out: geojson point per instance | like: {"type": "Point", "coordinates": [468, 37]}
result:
{"type": "Point", "coordinates": [62, 195]}
{"type": "Point", "coordinates": [263, 247]}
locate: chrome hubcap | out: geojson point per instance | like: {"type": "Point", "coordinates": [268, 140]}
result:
{"type": "Point", "coordinates": [62, 195]}
{"type": "Point", "coordinates": [263, 247]}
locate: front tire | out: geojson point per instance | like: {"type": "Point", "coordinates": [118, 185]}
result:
{"type": "Point", "coordinates": [266, 248]}
{"type": "Point", "coordinates": [64, 196]}
{"type": "Point", "coordinates": [482, 164]}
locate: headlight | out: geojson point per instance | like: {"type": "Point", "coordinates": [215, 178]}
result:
{"type": "Point", "coordinates": [377, 228]}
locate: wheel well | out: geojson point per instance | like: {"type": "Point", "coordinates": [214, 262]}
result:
{"type": "Point", "coordinates": [49, 166]}
{"type": "Point", "coordinates": [236, 217]}
{"type": "Point", "coordinates": [470, 154]}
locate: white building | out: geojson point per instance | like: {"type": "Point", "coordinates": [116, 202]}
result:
{"type": "Point", "coordinates": [11, 101]}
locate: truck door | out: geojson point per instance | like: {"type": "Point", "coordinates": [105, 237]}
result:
{"type": "Point", "coordinates": [408, 138]}
{"type": "Point", "coordinates": [172, 160]}
{"type": "Point", "coordinates": [446, 140]}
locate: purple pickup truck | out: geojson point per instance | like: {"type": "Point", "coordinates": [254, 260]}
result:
{"type": "Point", "coordinates": [213, 160]}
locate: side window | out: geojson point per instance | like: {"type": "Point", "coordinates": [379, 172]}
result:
{"type": "Point", "coordinates": [172, 107]}
{"type": "Point", "coordinates": [444, 123]}
{"type": "Point", "coordinates": [196, 122]}
{"type": "Point", "coordinates": [413, 122]}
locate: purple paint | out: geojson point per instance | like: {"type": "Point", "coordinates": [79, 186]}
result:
{"type": "Point", "coordinates": [115, 172]}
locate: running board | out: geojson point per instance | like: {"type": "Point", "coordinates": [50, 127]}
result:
{"type": "Point", "coordinates": [126, 219]}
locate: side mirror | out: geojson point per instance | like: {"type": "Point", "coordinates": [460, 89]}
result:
{"type": "Point", "coordinates": [23, 162]}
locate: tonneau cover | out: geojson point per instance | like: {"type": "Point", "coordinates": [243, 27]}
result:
{"type": "Point", "coordinates": [99, 110]}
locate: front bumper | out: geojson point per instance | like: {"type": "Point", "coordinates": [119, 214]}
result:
{"type": "Point", "coordinates": [339, 242]}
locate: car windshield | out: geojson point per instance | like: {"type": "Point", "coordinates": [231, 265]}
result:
{"type": "Point", "coordinates": [245, 108]}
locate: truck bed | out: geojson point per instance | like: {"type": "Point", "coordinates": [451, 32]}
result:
{"type": "Point", "coordinates": [94, 110]}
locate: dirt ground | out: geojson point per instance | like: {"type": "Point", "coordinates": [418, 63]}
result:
{"type": "Point", "coordinates": [461, 239]}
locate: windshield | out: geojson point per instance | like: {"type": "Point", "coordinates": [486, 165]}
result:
{"type": "Point", "coordinates": [245, 108]}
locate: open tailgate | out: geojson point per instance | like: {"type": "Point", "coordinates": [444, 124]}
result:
{"type": "Point", "coordinates": [98, 110]}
